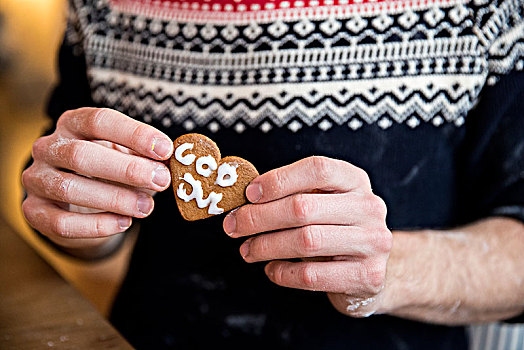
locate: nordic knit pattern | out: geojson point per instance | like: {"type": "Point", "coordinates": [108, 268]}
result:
{"type": "Point", "coordinates": [265, 64]}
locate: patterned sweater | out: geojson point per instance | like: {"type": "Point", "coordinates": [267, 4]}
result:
{"type": "Point", "coordinates": [425, 95]}
{"type": "Point", "coordinates": [209, 63]}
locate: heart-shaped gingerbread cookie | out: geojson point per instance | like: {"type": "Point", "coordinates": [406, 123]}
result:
{"type": "Point", "coordinates": [205, 184]}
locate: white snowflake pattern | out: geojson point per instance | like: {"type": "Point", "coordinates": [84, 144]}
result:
{"type": "Point", "coordinates": [230, 32]}
{"type": "Point", "coordinates": [240, 127]}
{"type": "Point", "coordinates": [266, 127]}
{"type": "Point", "coordinates": [172, 28]}
{"type": "Point", "coordinates": [434, 16]}
{"type": "Point", "coordinates": [325, 125]}
{"type": "Point", "coordinates": [330, 26]}
{"type": "Point", "coordinates": [188, 124]}
{"type": "Point", "coordinates": [356, 24]}
{"type": "Point", "coordinates": [295, 126]}
{"type": "Point", "coordinates": [213, 126]}
{"type": "Point", "coordinates": [408, 19]}
{"type": "Point", "coordinates": [189, 30]}
{"type": "Point", "coordinates": [458, 13]}
{"type": "Point", "coordinates": [139, 23]}
{"type": "Point", "coordinates": [303, 27]}
{"type": "Point", "coordinates": [382, 22]}
{"type": "Point", "coordinates": [437, 121]}
{"type": "Point", "coordinates": [384, 123]}
{"type": "Point", "coordinates": [208, 31]}
{"type": "Point", "coordinates": [278, 28]}
{"type": "Point", "coordinates": [413, 122]}
{"type": "Point", "coordinates": [355, 124]}
{"type": "Point", "coordinates": [155, 26]}
{"type": "Point", "coordinates": [252, 31]}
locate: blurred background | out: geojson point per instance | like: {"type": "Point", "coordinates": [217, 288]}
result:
{"type": "Point", "coordinates": [30, 32]}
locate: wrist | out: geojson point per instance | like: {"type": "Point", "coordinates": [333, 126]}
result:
{"type": "Point", "coordinates": [403, 288]}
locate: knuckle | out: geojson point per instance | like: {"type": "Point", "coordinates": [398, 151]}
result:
{"type": "Point", "coordinates": [363, 177]}
{"type": "Point", "coordinates": [27, 176]}
{"type": "Point", "coordinates": [64, 118]}
{"type": "Point", "coordinates": [74, 119]}
{"type": "Point", "coordinates": [132, 173]}
{"type": "Point", "coordinates": [279, 180]}
{"type": "Point", "coordinates": [311, 239]}
{"type": "Point", "coordinates": [309, 276]}
{"type": "Point", "coordinates": [39, 148]}
{"type": "Point", "coordinates": [278, 274]}
{"type": "Point", "coordinates": [303, 208]}
{"type": "Point", "coordinates": [62, 187]}
{"type": "Point", "coordinates": [35, 215]}
{"type": "Point", "coordinates": [261, 246]}
{"type": "Point", "coordinates": [117, 200]}
{"type": "Point", "coordinates": [374, 278]}
{"type": "Point", "coordinates": [385, 240]}
{"type": "Point", "coordinates": [76, 155]}
{"type": "Point", "coordinates": [100, 228]}
{"type": "Point", "coordinates": [248, 216]}
{"type": "Point", "coordinates": [59, 226]}
{"type": "Point", "coordinates": [323, 169]}
{"type": "Point", "coordinates": [94, 123]}
{"type": "Point", "coordinates": [376, 206]}
{"type": "Point", "coordinates": [27, 209]}
{"type": "Point", "coordinates": [382, 207]}
{"type": "Point", "coordinates": [139, 134]}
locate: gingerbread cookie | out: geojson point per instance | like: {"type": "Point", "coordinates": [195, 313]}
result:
{"type": "Point", "coordinates": [205, 184]}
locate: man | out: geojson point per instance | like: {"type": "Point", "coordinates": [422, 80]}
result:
{"type": "Point", "coordinates": [348, 110]}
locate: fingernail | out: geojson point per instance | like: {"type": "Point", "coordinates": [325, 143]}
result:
{"type": "Point", "coordinates": [254, 192]}
{"type": "Point", "coordinates": [162, 147]}
{"type": "Point", "coordinates": [161, 176]}
{"type": "Point", "coordinates": [144, 204]}
{"type": "Point", "coordinates": [124, 222]}
{"type": "Point", "coordinates": [230, 223]}
{"type": "Point", "coordinates": [244, 248]}
{"type": "Point", "coordinates": [269, 271]}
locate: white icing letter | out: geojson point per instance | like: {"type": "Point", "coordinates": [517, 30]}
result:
{"type": "Point", "coordinates": [215, 198]}
{"type": "Point", "coordinates": [188, 158]}
{"type": "Point", "coordinates": [198, 194]}
{"type": "Point", "coordinates": [227, 170]}
{"type": "Point", "coordinates": [211, 165]}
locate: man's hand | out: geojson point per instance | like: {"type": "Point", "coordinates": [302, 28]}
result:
{"type": "Point", "coordinates": [323, 211]}
{"type": "Point", "coordinates": [98, 159]}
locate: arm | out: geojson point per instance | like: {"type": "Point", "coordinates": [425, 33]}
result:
{"type": "Point", "coordinates": [471, 274]}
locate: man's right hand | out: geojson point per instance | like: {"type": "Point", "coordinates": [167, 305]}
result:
{"type": "Point", "coordinates": [101, 160]}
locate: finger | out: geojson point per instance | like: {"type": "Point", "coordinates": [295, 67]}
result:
{"type": "Point", "coordinates": [116, 147]}
{"type": "Point", "coordinates": [47, 182]}
{"type": "Point", "coordinates": [315, 241]}
{"type": "Point", "coordinates": [94, 160]}
{"type": "Point", "coordinates": [51, 220]}
{"type": "Point", "coordinates": [306, 175]}
{"type": "Point", "coordinates": [111, 125]}
{"type": "Point", "coordinates": [353, 209]}
{"type": "Point", "coordinates": [349, 277]}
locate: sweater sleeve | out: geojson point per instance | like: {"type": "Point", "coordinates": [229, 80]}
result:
{"type": "Point", "coordinates": [492, 159]}
{"type": "Point", "coordinates": [72, 89]}
{"type": "Point", "coordinates": [501, 31]}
